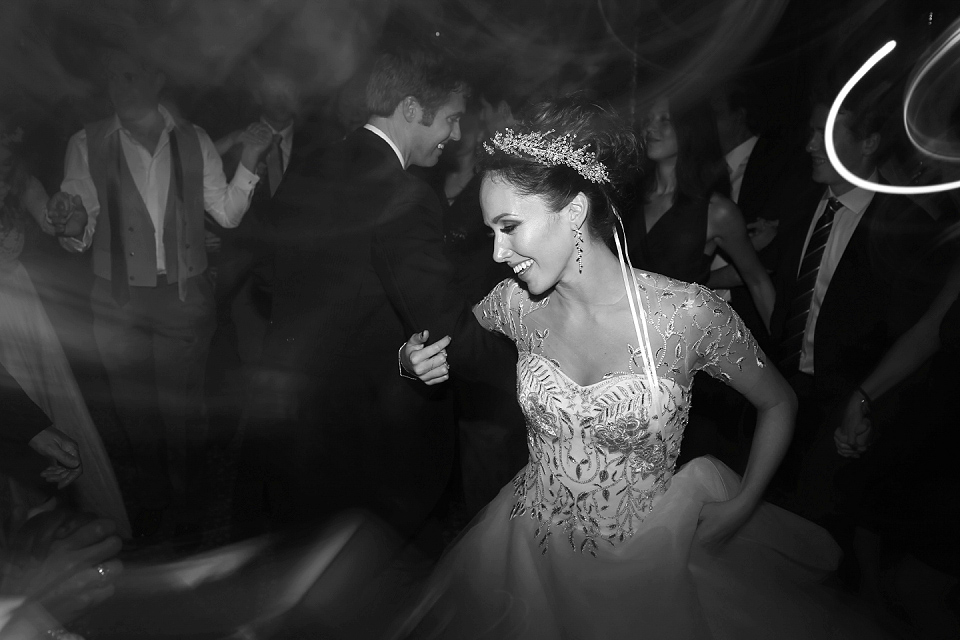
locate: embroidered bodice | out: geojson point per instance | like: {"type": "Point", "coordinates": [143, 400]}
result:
{"type": "Point", "coordinates": [601, 454]}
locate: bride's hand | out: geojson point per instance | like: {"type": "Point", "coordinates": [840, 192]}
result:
{"type": "Point", "coordinates": [426, 362]}
{"type": "Point", "coordinates": [720, 521]}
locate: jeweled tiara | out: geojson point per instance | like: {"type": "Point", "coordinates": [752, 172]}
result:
{"type": "Point", "coordinates": [550, 152]}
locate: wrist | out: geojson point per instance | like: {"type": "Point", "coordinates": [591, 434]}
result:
{"type": "Point", "coordinates": [865, 401]}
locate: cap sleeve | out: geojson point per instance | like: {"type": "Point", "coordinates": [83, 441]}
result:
{"type": "Point", "coordinates": [725, 347]}
{"type": "Point", "coordinates": [500, 310]}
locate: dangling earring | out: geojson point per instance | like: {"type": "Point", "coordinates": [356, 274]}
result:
{"type": "Point", "coordinates": [578, 240]}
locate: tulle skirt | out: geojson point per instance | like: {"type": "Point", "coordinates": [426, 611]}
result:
{"type": "Point", "coordinates": [768, 582]}
{"type": "Point", "coordinates": [31, 352]}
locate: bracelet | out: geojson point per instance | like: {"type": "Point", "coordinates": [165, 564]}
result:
{"type": "Point", "coordinates": [403, 372]}
{"type": "Point", "coordinates": [866, 402]}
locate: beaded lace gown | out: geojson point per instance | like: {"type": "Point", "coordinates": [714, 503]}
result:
{"type": "Point", "coordinates": [596, 536]}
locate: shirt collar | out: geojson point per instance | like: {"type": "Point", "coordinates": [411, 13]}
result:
{"type": "Point", "coordinates": [858, 198]}
{"type": "Point", "coordinates": [283, 133]}
{"type": "Point", "coordinates": [168, 121]}
{"type": "Point", "coordinates": [741, 152]}
{"type": "Point", "coordinates": [396, 149]}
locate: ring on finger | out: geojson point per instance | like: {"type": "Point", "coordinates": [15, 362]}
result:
{"type": "Point", "coordinates": [102, 570]}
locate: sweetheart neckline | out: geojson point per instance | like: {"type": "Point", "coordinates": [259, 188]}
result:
{"type": "Point", "coordinates": [613, 375]}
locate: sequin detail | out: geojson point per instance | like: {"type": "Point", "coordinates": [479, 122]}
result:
{"type": "Point", "coordinates": [599, 455]}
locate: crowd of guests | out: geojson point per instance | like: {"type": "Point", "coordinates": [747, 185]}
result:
{"type": "Point", "coordinates": [260, 285]}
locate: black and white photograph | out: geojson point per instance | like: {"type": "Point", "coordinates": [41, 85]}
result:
{"type": "Point", "coordinates": [479, 319]}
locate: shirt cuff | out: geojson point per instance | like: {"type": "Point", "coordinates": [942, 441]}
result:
{"type": "Point", "coordinates": [244, 178]}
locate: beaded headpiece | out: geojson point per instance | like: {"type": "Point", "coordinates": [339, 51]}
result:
{"type": "Point", "coordinates": [560, 150]}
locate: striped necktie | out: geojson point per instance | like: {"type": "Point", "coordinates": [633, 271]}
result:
{"type": "Point", "coordinates": [795, 327]}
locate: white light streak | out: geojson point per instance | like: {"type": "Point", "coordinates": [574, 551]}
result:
{"type": "Point", "coordinates": [831, 124]}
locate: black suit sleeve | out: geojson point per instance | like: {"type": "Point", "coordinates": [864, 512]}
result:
{"type": "Point", "coordinates": [408, 257]}
{"type": "Point", "coordinates": [22, 418]}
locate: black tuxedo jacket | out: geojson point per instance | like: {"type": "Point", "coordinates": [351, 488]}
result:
{"type": "Point", "coordinates": [777, 170]}
{"type": "Point", "coordinates": [248, 249]}
{"type": "Point", "coordinates": [360, 267]}
{"type": "Point", "coordinates": [257, 221]}
{"type": "Point", "coordinates": [873, 296]}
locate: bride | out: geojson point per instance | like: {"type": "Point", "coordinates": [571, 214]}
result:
{"type": "Point", "coordinates": [600, 536]}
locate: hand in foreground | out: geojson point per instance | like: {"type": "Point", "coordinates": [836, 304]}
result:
{"type": "Point", "coordinates": [855, 433]}
{"type": "Point", "coordinates": [720, 521]}
{"type": "Point", "coordinates": [62, 452]}
{"type": "Point", "coordinates": [70, 565]}
{"type": "Point", "coordinates": [66, 214]}
{"type": "Point", "coordinates": [427, 362]}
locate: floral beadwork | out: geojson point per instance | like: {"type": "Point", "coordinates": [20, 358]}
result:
{"type": "Point", "coordinates": [601, 455]}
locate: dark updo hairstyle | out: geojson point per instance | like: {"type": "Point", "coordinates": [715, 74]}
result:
{"type": "Point", "coordinates": [701, 167]}
{"type": "Point", "coordinates": [596, 127]}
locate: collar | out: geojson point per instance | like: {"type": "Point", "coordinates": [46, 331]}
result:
{"type": "Point", "coordinates": [168, 121]}
{"type": "Point", "coordinates": [741, 152]}
{"type": "Point", "coordinates": [283, 133]}
{"type": "Point", "coordinates": [857, 199]}
{"type": "Point", "coordinates": [396, 149]}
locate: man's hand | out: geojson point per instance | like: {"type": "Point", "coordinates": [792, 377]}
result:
{"type": "Point", "coordinates": [427, 362]}
{"type": "Point", "coordinates": [856, 432]}
{"type": "Point", "coordinates": [66, 215]}
{"type": "Point", "coordinates": [75, 571]}
{"type": "Point", "coordinates": [255, 139]}
{"type": "Point", "coordinates": [63, 453]}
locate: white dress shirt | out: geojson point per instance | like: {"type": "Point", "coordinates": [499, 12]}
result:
{"type": "Point", "coordinates": [396, 149]}
{"type": "Point", "coordinates": [845, 222]}
{"type": "Point", "coordinates": [226, 203]}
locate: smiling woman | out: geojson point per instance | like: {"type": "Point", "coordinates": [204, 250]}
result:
{"type": "Point", "coordinates": [601, 535]}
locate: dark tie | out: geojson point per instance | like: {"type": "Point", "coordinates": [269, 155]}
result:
{"type": "Point", "coordinates": [792, 343]}
{"type": "Point", "coordinates": [274, 162]}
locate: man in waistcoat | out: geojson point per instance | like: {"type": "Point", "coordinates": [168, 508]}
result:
{"type": "Point", "coordinates": [135, 189]}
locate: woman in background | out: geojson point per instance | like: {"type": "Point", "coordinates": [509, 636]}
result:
{"type": "Point", "coordinates": [684, 215]}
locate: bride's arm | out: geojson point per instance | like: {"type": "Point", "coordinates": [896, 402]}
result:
{"type": "Point", "coordinates": [732, 355]}
{"type": "Point", "coordinates": [776, 406]}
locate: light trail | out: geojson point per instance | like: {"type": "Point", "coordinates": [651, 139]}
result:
{"type": "Point", "coordinates": [838, 103]}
